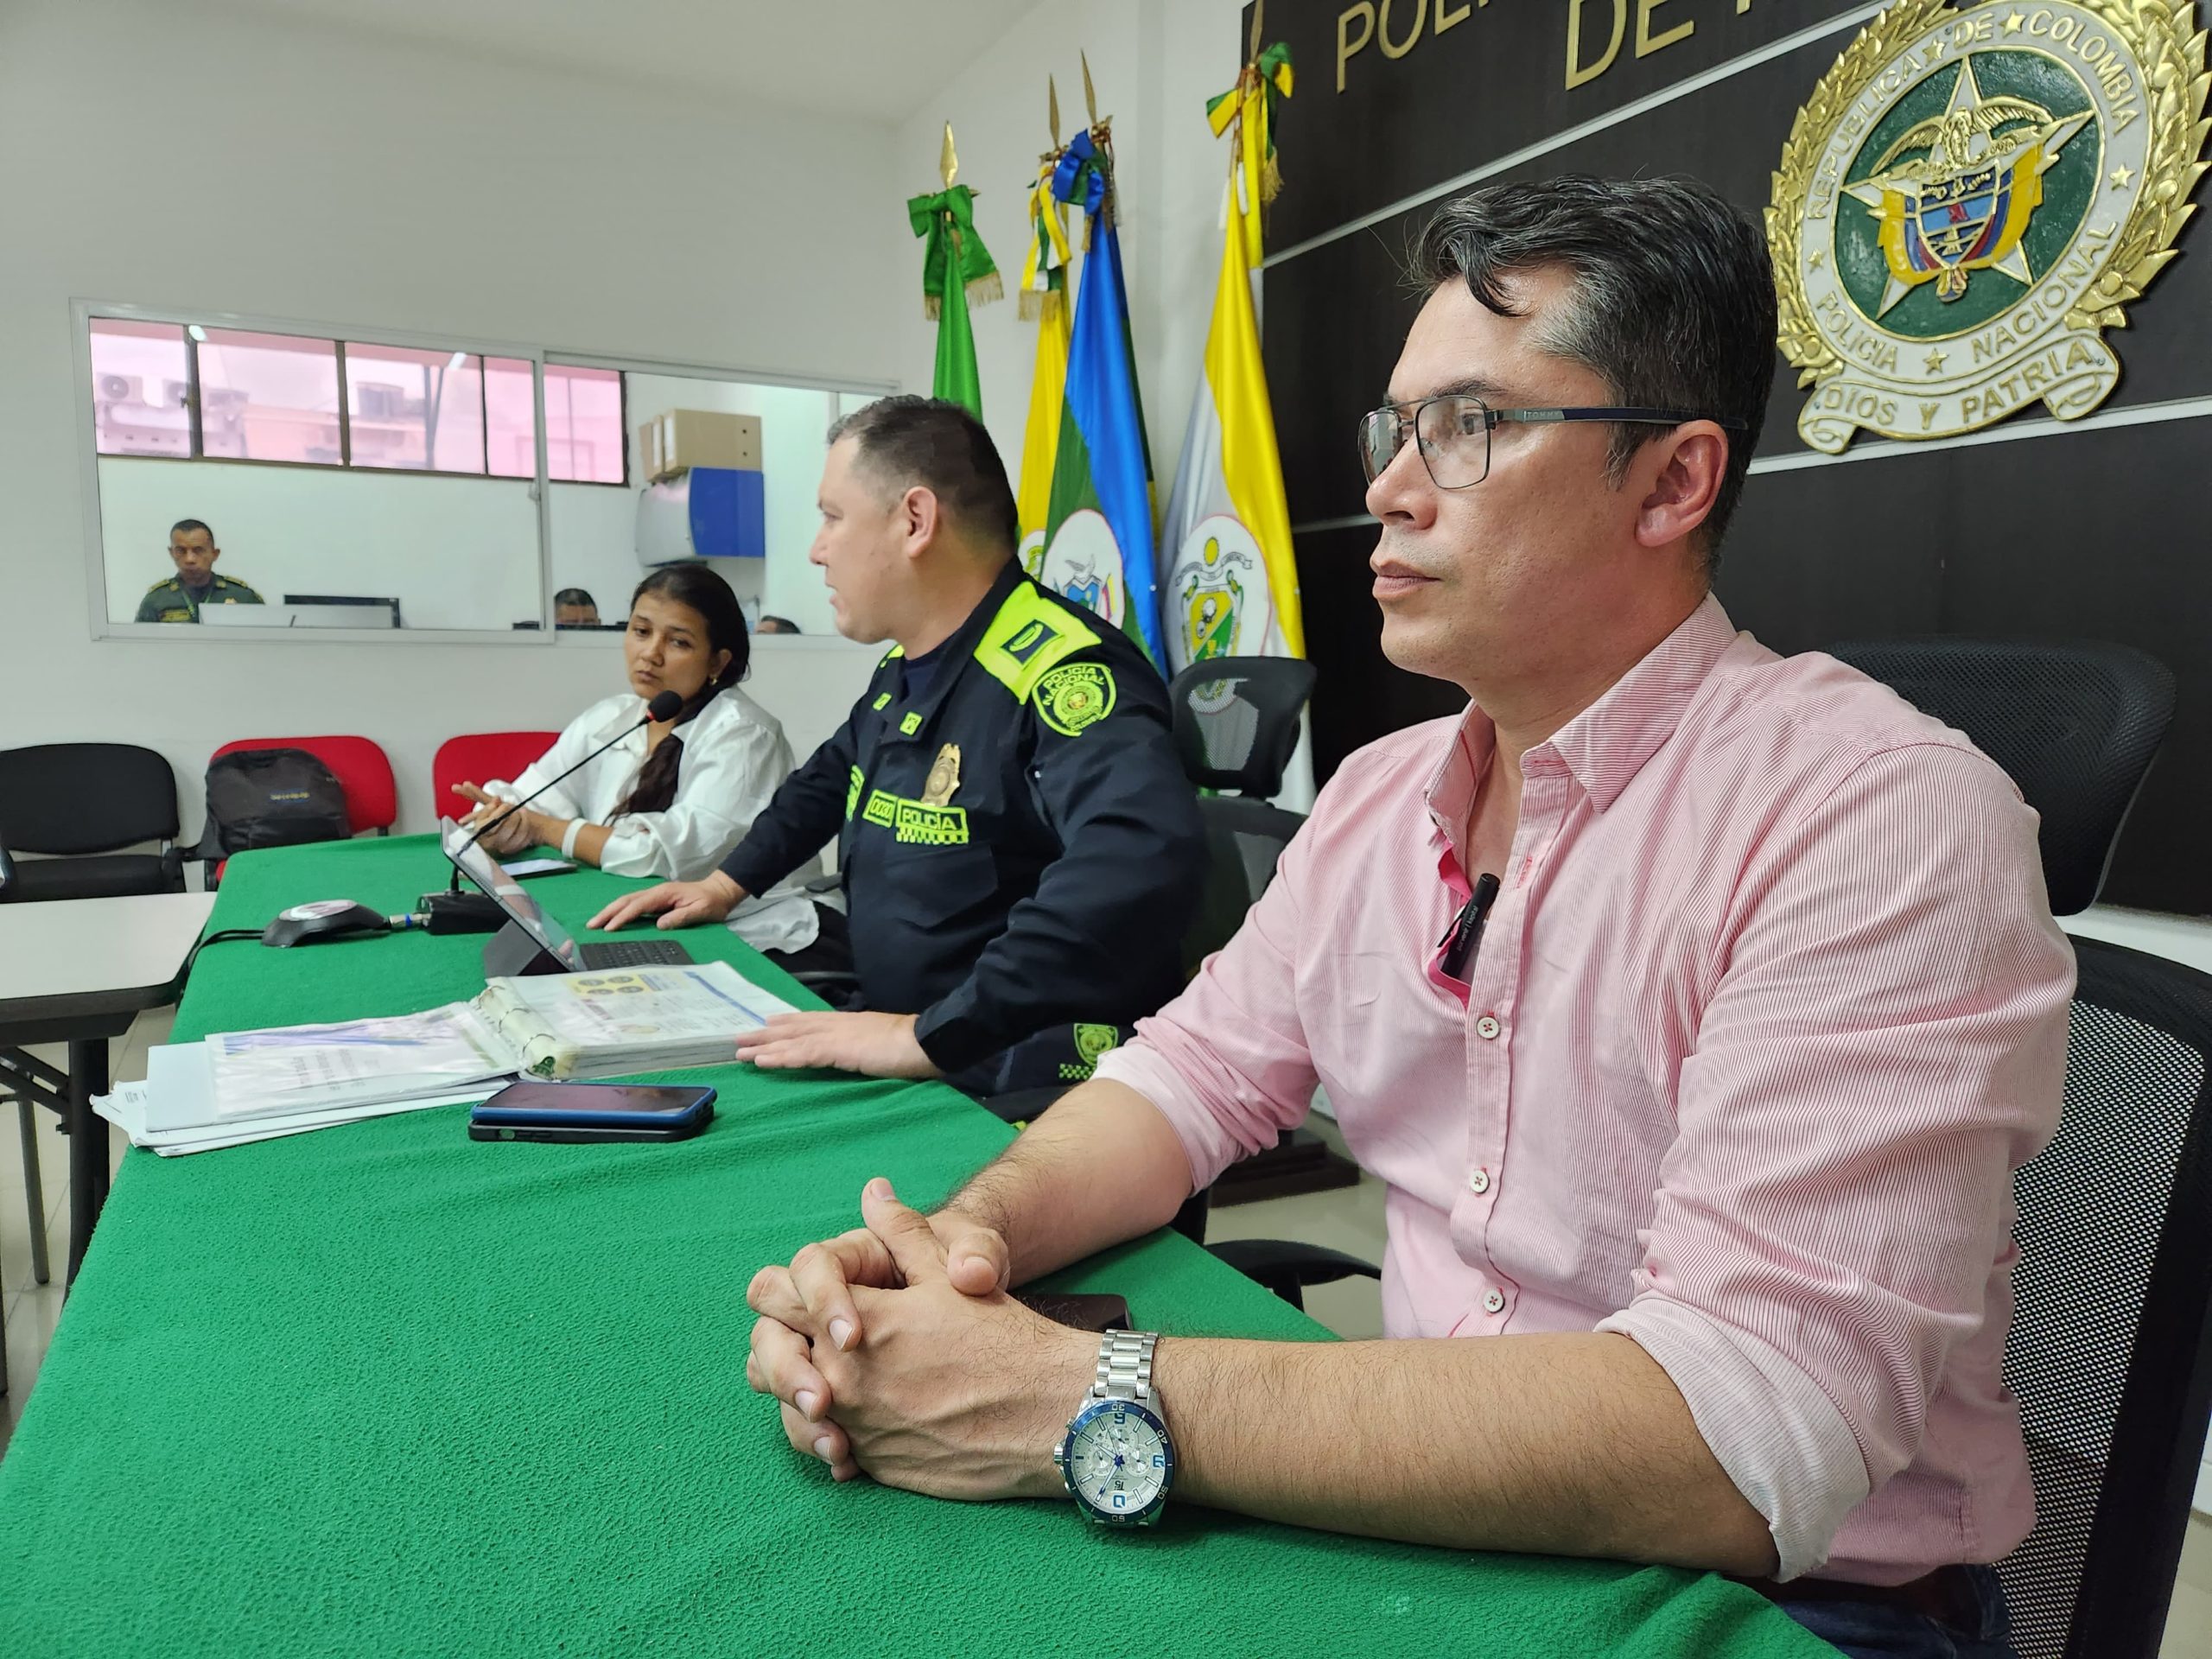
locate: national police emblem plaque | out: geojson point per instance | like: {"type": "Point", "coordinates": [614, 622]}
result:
{"type": "Point", "coordinates": [1974, 194]}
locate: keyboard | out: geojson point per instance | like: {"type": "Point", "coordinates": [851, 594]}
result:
{"type": "Point", "coordinates": [634, 953]}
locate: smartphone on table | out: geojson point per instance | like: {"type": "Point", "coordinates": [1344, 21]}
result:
{"type": "Point", "coordinates": [580, 1112]}
{"type": "Point", "coordinates": [523, 869]}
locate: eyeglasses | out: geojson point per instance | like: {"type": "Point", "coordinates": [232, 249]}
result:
{"type": "Point", "coordinates": [1453, 433]}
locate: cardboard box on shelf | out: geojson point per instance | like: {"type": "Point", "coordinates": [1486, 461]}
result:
{"type": "Point", "coordinates": [681, 438]}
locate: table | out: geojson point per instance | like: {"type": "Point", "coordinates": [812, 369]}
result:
{"type": "Point", "coordinates": [382, 1389]}
{"type": "Point", "coordinates": [78, 971]}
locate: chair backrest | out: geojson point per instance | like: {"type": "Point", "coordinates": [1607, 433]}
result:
{"type": "Point", "coordinates": [478, 758]}
{"type": "Point", "coordinates": [84, 798]}
{"type": "Point", "coordinates": [2075, 722]}
{"type": "Point", "coordinates": [1244, 839]}
{"type": "Point", "coordinates": [1236, 720]}
{"type": "Point", "coordinates": [2111, 1347]}
{"type": "Point", "coordinates": [362, 769]}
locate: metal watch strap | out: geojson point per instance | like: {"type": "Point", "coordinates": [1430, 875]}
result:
{"type": "Point", "coordinates": [1125, 1366]}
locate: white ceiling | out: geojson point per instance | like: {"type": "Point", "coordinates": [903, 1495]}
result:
{"type": "Point", "coordinates": [875, 60]}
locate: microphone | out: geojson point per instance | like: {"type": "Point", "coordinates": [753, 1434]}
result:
{"type": "Point", "coordinates": [664, 707]}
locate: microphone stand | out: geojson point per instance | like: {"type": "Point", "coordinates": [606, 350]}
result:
{"type": "Point", "coordinates": [666, 706]}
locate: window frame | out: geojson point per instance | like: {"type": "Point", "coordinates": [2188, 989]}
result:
{"type": "Point", "coordinates": [82, 312]}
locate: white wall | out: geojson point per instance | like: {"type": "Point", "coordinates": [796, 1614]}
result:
{"type": "Point", "coordinates": [192, 156]}
{"type": "Point", "coordinates": [456, 552]}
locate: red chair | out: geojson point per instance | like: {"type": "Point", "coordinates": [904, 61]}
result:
{"type": "Point", "coordinates": [362, 769]}
{"type": "Point", "coordinates": [478, 758]}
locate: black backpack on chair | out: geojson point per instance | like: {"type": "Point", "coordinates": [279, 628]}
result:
{"type": "Point", "coordinates": [270, 798]}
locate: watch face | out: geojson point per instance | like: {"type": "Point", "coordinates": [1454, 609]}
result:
{"type": "Point", "coordinates": [1117, 1461]}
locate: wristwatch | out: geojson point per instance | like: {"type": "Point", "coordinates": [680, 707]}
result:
{"type": "Point", "coordinates": [1117, 1459]}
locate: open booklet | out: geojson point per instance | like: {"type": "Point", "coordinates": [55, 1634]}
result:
{"type": "Point", "coordinates": [559, 1026]}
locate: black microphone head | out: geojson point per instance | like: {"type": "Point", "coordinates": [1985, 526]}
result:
{"type": "Point", "coordinates": [664, 708]}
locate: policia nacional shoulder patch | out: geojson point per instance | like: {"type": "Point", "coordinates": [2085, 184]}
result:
{"type": "Point", "coordinates": [1970, 198]}
{"type": "Point", "coordinates": [1070, 699]}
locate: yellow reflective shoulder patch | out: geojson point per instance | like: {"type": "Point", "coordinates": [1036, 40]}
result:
{"type": "Point", "coordinates": [1075, 697]}
{"type": "Point", "coordinates": [1029, 637]}
{"type": "Point", "coordinates": [910, 725]}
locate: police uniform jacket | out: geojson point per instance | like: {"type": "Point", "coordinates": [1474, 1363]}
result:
{"type": "Point", "coordinates": [172, 601]}
{"type": "Point", "coordinates": [1020, 850]}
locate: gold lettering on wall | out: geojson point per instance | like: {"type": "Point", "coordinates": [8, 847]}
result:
{"type": "Point", "coordinates": [1577, 71]}
{"type": "Point", "coordinates": [1445, 16]}
{"type": "Point", "coordinates": [1399, 48]}
{"type": "Point", "coordinates": [1645, 44]}
{"type": "Point", "coordinates": [1348, 48]}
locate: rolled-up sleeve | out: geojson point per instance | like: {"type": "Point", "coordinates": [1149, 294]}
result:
{"type": "Point", "coordinates": [1885, 1045]}
{"type": "Point", "coordinates": [1226, 1062]}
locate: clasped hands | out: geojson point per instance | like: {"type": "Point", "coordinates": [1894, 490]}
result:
{"type": "Point", "coordinates": [894, 1350]}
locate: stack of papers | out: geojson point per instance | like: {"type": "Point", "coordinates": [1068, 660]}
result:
{"type": "Point", "coordinates": [181, 1078]}
{"type": "Point", "coordinates": [604, 1024]}
{"type": "Point", "coordinates": [240, 1086]}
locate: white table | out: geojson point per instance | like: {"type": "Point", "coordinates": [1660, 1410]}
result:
{"type": "Point", "coordinates": [78, 971]}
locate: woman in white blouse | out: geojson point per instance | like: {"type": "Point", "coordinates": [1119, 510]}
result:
{"type": "Point", "coordinates": [668, 800]}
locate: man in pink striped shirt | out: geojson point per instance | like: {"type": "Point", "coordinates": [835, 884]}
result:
{"type": "Point", "coordinates": [1694, 1006]}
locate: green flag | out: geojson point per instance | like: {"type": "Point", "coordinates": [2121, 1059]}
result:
{"type": "Point", "coordinates": [956, 270]}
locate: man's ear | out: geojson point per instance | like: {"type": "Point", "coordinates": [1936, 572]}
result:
{"type": "Point", "coordinates": [1692, 461]}
{"type": "Point", "coordinates": [919, 518]}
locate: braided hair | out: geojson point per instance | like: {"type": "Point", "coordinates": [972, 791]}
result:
{"type": "Point", "coordinates": [705, 592]}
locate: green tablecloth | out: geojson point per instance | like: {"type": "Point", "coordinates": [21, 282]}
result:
{"type": "Point", "coordinates": [384, 1389]}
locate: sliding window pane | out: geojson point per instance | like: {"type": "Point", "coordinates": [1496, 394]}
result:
{"type": "Point", "coordinates": [584, 440]}
{"type": "Point", "coordinates": [268, 398]}
{"type": "Point", "coordinates": [139, 389]}
{"type": "Point", "coordinates": [510, 418]}
{"type": "Point", "coordinates": [413, 409]}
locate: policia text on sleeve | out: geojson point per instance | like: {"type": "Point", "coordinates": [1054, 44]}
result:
{"type": "Point", "coordinates": [1020, 850]}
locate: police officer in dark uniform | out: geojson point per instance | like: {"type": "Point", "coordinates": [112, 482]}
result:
{"type": "Point", "coordinates": [178, 599]}
{"type": "Point", "coordinates": [1019, 850]}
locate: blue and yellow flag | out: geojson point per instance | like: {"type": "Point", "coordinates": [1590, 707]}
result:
{"type": "Point", "coordinates": [1098, 536]}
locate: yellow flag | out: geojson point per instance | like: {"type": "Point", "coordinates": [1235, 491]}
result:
{"type": "Point", "coordinates": [1045, 296]}
{"type": "Point", "coordinates": [1232, 586]}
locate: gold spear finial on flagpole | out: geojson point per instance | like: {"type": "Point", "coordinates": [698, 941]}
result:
{"type": "Point", "coordinates": [1053, 96]}
{"type": "Point", "coordinates": [1259, 10]}
{"type": "Point", "coordinates": [948, 160]}
{"type": "Point", "coordinates": [1089, 97]}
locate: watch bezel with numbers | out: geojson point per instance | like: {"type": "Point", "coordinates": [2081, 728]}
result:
{"type": "Point", "coordinates": [1123, 1384]}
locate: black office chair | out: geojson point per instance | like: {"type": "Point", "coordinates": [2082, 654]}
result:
{"type": "Point", "coordinates": [81, 803]}
{"type": "Point", "coordinates": [84, 802]}
{"type": "Point", "coordinates": [2111, 1346]}
{"type": "Point", "coordinates": [2075, 722]}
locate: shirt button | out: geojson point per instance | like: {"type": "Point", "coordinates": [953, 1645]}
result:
{"type": "Point", "coordinates": [1493, 1301]}
{"type": "Point", "coordinates": [1486, 1028]}
{"type": "Point", "coordinates": [1479, 1181]}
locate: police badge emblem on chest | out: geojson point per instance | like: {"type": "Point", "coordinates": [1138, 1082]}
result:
{"type": "Point", "coordinates": [945, 776]}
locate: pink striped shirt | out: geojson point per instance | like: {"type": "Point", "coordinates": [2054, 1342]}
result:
{"type": "Point", "coordinates": [1769, 1006]}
